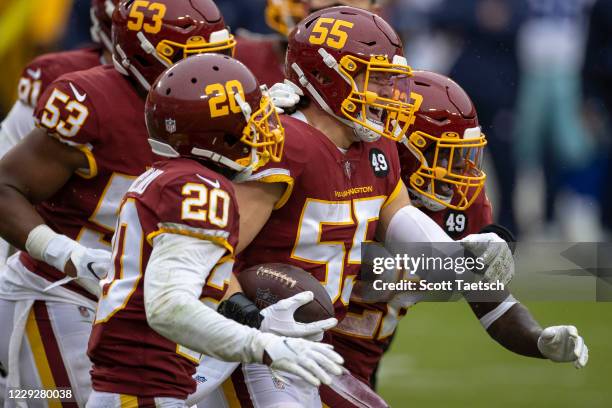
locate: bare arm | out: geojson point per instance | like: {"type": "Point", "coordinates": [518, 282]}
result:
{"type": "Point", "coordinates": [31, 172]}
{"type": "Point", "coordinates": [516, 329]}
{"type": "Point", "coordinates": [256, 201]}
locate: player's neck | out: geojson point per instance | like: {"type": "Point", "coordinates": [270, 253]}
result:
{"type": "Point", "coordinates": [340, 134]}
{"type": "Point", "coordinates": [107, 57]}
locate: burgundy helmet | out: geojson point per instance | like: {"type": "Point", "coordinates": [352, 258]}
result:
{"type": "Point", "coordinates": [338, 56]}
{"type": "Point", "coordinates": [210, 107]}
{"type": "Point", "coordinates": [444, 145]}
{"type": "Point", "coordinates": [149, 37]}
{"type": "Point", "coordinates": [101, 13]}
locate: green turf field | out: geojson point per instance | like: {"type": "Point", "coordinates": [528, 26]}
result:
{"type": "Point", "coordinates": [442, 357]}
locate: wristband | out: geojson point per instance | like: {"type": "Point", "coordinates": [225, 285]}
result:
{"type": "Point", "coordinates": [46, 245]}
{"type": "Point", "coordinates": [241, 309]}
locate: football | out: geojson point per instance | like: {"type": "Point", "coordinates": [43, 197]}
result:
{"type": "Point", "coordinates": [266, 284]}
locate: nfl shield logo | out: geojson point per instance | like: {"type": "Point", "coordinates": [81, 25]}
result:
{"type": "Point", "coordinates": [170, 125]}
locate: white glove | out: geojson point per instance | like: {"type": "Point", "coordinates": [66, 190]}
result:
{"type": "Point", "coordinates": [563, 344]}
{"type": "Point", "coordinates": [279, 319]}
{"type": "Point", "coordinates": [92, 266]}
{"type": "Point", "coordinates": [56, 249]}
{"type": "Point", "coordinates": [495, 253]}
{"type": "Point", "coordinates": [285, 95]}
{"type": "Point", "coordinates": [314, 362]}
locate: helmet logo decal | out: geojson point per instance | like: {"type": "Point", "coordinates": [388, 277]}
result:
{"type": "Point", "coordinates": [170, 125]}
{"type": "Point", "coordinates": [333, 37]}
{"type": "Point", "coordinates": [157, 10]}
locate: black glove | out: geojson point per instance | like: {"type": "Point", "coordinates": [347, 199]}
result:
{"type": "Point", "coordinates": [241, 309]}
{"type": "Point", "coordinates": [502, 232]}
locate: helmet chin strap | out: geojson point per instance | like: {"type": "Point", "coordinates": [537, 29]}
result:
{"type": "Point", "coordinates": [125, 66]}
{"type": "Point", "coordinates": [247, 111]}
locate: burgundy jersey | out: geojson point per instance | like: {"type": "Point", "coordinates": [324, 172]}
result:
{"type": "Point", "coordinates": [45, 69]}
{"type": "Point", "coordinates": [458, 224]}
{"type": "Point", "coordinates": [99, 112]}
{"type": "Point", "coordinates": [265, 57]}
{"type": "Point", "coordinates": [177, 196]}
{"type": "Point", "coordinates": [331, 205]}
{"type": "Point", "coordinates": [363, 336]}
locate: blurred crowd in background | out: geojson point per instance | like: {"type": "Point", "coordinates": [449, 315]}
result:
{"type": "Point", "coordinates": [539, 72]}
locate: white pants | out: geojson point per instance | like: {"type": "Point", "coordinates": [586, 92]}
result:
{"type": "Point", "coordinates": [67, 329]}
{"type": "Point", "coordinates": [110, 400]}
{"type": "Point", "coordinates": [43, 345]}
{"type": "Point", "coordinates": [254, 385]}
{"type": "Point", "coordinates": [210, 376]}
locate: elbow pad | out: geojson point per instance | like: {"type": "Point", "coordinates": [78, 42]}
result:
{"type": "Point", "coordinates": [242, 310]}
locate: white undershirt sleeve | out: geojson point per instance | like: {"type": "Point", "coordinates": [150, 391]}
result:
{"type": "Point", "coordinates": [18, 124]}
{"type": "Point", "coordinates": [176, 272]}
{"type": "Point", "coordinates": [409, 224]}
{"type": "Point", "coordinates": [490, 318]}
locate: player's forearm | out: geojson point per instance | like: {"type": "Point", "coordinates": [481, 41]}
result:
{"type": "Point", "coordinates": [31, 172]}
{"type": "Point", "coordinates": [185, 320]}
{"type": "Point", "coordinates": [18, 216]}
{"type": "Point", "coordinates": [176, 272]}
{"type": "Point", "coordinates": [517, 331]}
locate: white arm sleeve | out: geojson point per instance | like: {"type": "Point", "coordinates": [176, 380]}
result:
{"type": "Point", "coordinates": [18, 124]}
{"type": "Point", "coordinates": [176, 272]}
{"type": "Point", "coordinates": [490, 318]}
{"type": "Point", "coordinates": [409, 224]}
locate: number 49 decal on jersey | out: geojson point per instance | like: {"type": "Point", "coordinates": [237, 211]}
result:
{"type": "Point", "coordinates": [379, 163]}
{"type": "Point", "coordinates": [455, 223]}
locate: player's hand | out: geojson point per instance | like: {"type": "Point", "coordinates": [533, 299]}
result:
{"type": "Point", "coordinates": [314, 362]}
{"type": "Point", "coordinates": [495, 253]}
{"type": "Point", "coordinates": [563, 344]}
{"type": "Point", "coordinates": [90, 263]}
{"type": "Point", "coordinates": [88, 266]}
{"type": "Point", "coordinates": [279, 319]}
{"type": "Point", "coordinates": [285, 95]}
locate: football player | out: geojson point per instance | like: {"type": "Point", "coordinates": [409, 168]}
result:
{"type": "Point", "coordinates": [339, 183]}
{"type": "Point", "coordinates": [60, 189]}
{"type": "Point", "coordinates": [178, 225]}
{"type": "Point", "coordinates": [265, 55]}
{"type": "Point", "coordinates": [446, 126]}
{"type": "Point", "coordinates": [43, 70]}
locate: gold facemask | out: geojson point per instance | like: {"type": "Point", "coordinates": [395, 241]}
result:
{"type": "Point", "coordinates": [456, 162]}
{"type": "Point", "coordinates": [194, 45]}
{"type": "Point", "coordinates": [396, 113]}
{"type": "Point", "coordinates": [265, 133]}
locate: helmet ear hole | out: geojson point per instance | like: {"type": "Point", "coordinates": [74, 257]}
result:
{"type": "Point", "coordinates": [230, 140]}
{"type": "Point", "coordinates": [321, 78]}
